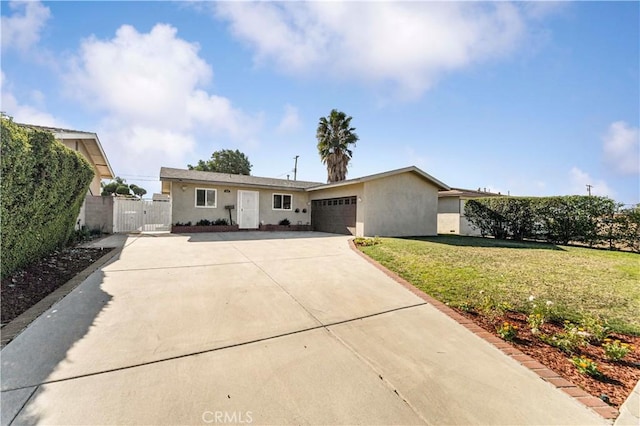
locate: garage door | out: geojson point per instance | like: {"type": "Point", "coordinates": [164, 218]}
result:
{"type": "Point", "coordinates": [334, 215]}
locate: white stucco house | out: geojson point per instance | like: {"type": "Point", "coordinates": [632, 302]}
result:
{"type": "Point", "coordinates": [402, 202]}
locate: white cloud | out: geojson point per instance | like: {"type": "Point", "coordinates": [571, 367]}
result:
{"type": "Point", "coordinates": [22, 29]}
{"type": "Point", "coordinates": [408, 44]}
{"type": "Point", "coordinates": [542, 9]}
{"type": "Point", "coordinates": [415, 158]}
{"type": "Point", "coordinates": [290, 121]}
{"type": "Point", "coordinates": [579, 180]}
{"type": "Point", "coordinates": [151, 88]}
{"type": "Point", "coordinates": [23, 113]}
{"type": "Point", "coordinates": [621, 146]}
{"type": "Point", "coordinates": [141, 150]}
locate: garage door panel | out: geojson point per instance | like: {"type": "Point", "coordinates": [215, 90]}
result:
{"type": "Point", "coordinates": [334, 215]}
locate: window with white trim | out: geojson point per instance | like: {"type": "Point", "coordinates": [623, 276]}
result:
{"type": "Point", "coordinates": [206, 197]}
{"type": "Point", "coordinates": [282, 201]}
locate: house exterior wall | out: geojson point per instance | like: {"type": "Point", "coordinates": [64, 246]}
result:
{"type": "Point", "coordinates": [451, 218]}
{"type": "Point", "coordinates": [466, 228]}
{"type": "Point", "coordinates": [449, 205]}
{"type": "Point", "coordinates": [184, 209]}
{"type": "Point", "coordinates": [77, 145]}
{"type": "Point", "coordinates": [449, 215]}
{"type": "Point", "coordinates": [400, 205]}
{"type": "Point", "coordinates": [448, 223]}
{"type": "Point", "coordinates": [357, 190]}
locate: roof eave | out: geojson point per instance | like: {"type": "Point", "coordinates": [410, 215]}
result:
{"type": "Point", "coordinates": [238, 184]}
{"type": "Point", "coordinates": [101, 162]}
{"type": "Point", "coordinates": [412, 169]}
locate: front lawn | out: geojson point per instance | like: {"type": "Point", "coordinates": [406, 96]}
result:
{"type": "Point", "coordinates": [480, 274]}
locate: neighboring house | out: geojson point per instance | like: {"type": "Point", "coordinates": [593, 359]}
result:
{"type": "Point", "coordinates": [88, 145]}
{"type": "Point", "coordinates": [451, 218]}
{"type": "Point", "coordinates": [401, 202]}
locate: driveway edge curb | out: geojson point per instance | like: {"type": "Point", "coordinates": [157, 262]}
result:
{"type": "Point", "coordinates": [595, 404]}
{"type": "Point", "coordinates": [21, 322]}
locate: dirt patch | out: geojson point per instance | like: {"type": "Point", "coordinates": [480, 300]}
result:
{"type": "Point", "coordinates": [27, 286]}
{"type": "Point", "coordinates": [618, 378]}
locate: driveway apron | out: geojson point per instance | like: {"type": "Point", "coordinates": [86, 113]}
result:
{"type": "Point", "coordinates": [264, 328]}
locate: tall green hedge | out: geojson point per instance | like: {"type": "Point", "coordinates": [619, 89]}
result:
{"type": "Point", "coordinates": [587, 219]}
{"type": "Point", "coordinates": [43, 185]}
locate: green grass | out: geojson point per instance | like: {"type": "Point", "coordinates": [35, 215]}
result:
{"type": "Point", "coordinates": [468, 271]}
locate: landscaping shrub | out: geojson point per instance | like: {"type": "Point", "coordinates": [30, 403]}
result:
{"type": "Point", "coordinates": [182, 224]}
{"type": "Point", "coordinates": [284, 222]}
{"type": "Point", "coordinates": [206, 222]}
{"type": "Point", "coordinates": [626, 228]}
{"type": "Point", "coordinates": [43, 187]}
{"type": "Point", "coordinates": [366, 242]}
{"type": "Point", "coordinates": [590, 220]}
{"type": "Point", "coordinates": [574, 218]}
{"type": "Point", "coordinates": [487, 217]}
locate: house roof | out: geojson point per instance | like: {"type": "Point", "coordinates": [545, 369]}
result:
{"type": "Point", "coordinates": [410, 169]}
{"type": "Point", "coordinates": [168, 174]}
{"type": "Point", "coordinates": [89, 140]}
{"type": "Point", "coordinates": [466, 193]}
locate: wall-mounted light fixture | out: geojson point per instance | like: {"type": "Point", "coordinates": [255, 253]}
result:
{"type": "Point", "coordinates": [184, 187]}
{"type": "Point", "coordinates": [359, 199]}
{"type": "Point", "coordinates": [226, 191]}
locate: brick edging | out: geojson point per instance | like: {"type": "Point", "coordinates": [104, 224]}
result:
{"type": "Point", "coordinates": [596, 404]}
{"type": "Point", "coordinates": [22, 321]}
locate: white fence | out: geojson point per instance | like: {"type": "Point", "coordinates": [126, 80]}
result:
{"type": "Point", "coordinates": [132, 215]}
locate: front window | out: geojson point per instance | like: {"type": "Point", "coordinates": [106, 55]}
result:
{"type": "Point", "coordinates": [282, 201]}
{"type": "Point", "coordinates": [206, 197]}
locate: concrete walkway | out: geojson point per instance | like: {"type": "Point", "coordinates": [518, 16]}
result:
{"type": "Point", "coordinates": [263, 328]}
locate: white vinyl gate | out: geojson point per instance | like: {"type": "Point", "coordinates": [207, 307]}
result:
{"type": "Point", "coordinates": [131, 215]}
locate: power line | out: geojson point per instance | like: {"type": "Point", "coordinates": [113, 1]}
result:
{"type": "Point", "coordinates": [139, 176]}
{"type": "Point", "coordinates": [145, 180]}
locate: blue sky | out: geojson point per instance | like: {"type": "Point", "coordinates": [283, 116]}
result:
{"type": "Point", "coordinates": [523, 98]}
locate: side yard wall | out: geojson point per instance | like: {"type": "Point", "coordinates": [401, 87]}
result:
{"type": "Point", "coordinates": [98, 213]}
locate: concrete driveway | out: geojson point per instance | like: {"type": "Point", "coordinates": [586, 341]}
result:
{"type": "Point", "coordinates": [263, 328]}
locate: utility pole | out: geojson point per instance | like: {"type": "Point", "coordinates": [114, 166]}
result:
{"type": "Point", "coordinates": [589, 189]}
{"type": "Point", "coordinates": [295, 167]}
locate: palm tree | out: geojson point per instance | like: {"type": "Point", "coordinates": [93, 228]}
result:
{"type": "Point", "coordinates": [334, 136]}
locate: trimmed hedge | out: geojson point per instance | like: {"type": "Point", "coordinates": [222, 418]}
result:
{"type": "Point", "coordinates": [42, 189]}
{"type": "Point", "coordinates": [586, 219]}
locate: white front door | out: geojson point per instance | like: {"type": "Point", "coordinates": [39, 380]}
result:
{"type": "Point", "coordinates": [248, 209]}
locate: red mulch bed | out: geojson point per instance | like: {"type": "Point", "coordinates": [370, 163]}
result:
{"type": "Point", "coordinates": [26, 287]}
{"type": "Point", "coordinates": [618, 380]}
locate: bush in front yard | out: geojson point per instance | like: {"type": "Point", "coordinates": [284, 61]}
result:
{"type": "Point", "coordinates": [43, 187]}
{"type": "Point", "coordinates": [591, 220]}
